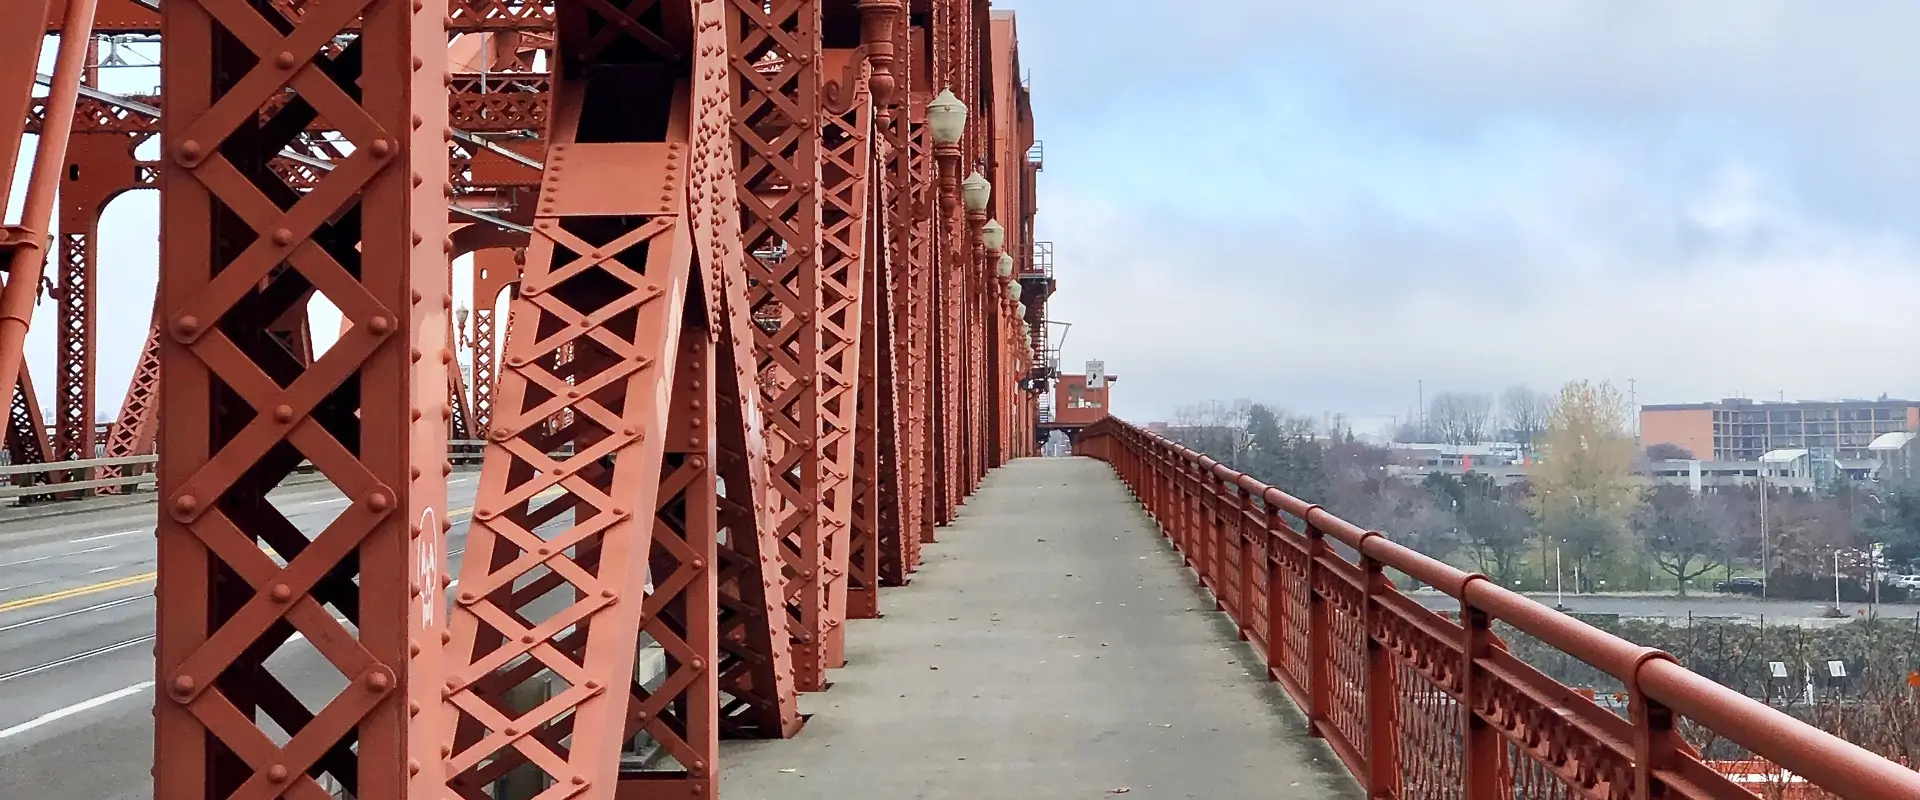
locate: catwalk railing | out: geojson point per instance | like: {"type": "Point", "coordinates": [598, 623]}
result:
{"type": "Point", "coordinates": [1422, 705]}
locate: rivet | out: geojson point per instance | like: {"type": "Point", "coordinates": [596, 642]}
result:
{"type": "Point", "coordinates": [379, 682]}
{"type": "Point", "coordinates": [379, 500]}
{"type": "Point", "coordinates": [277, 774]}
{"type": "Point", "coordinates": [379, 325]}
{"type": "Point", "coordinates": [380, 148]}
{"type": "Point", "coordinates": [280, 593]}
{"type": "Point", "coordinates": [282, 237]}
{"type": "Point", "coordinates": [186, 327]}
{"type": "Point", "coordinates": [284, 60]}
{"type": "Point", "coordinates": [183, 684]}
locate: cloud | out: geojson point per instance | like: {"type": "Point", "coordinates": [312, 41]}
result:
{"type": "Point", "coordinates": [1320, 204]}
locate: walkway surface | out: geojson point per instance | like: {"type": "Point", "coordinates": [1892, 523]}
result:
{"type": "Point", "coordinates": [1051, 647]}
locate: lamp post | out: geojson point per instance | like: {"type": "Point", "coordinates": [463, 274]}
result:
{"type": "Point", "coordinates": [460, 313]}
{"type": "Point", "coordinates": [975, 193]}
{"type": "Point", "coordinates": [946, 125]}
{"type": "Point", "coordinates": [877, 19]}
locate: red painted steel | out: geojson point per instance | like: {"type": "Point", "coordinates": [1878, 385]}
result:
{"type": "Point", "coordinates": [24, 246]}
{"type": "Point", "coordinates": [240, 249]}
{"type": "Point", "coordinates": [743, 238]}
{"type": "Point", "coordinates": [775, 53]}
{"type": "Point", "coordinates": [1416, 704]}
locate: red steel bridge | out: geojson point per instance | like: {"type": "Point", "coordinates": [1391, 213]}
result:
{"type": "Point", "coordinates": [756, 512]}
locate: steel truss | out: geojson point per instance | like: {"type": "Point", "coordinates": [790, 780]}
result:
{"type": "Point", "coordinates": [733, 401]}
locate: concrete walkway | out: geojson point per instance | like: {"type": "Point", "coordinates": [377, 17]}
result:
{"type": "Point", "coordinates": [1051, 647]}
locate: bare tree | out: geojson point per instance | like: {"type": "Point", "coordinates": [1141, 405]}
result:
{"type": "Point", "coordinates": [1496, 534]}
{"type": "Point", "coordinates": [1524, 412]}
{"type": "Point", "coordinates": [1461, 417]}
{"type": "Point", "coordinates": [1215, 428]}
{"type": "Point", "coordinates": [1680, 533]}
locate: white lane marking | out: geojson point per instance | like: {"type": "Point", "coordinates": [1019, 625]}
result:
{"type": "Point", "coordinates": [84, 705]}
{"type": "Point", "coordinates": [100, 570]}
{"type": "Point", "coordinates": [61, 555]}
{"type": "Point", "coordinates": [98, 651]}
{"type": "Point", "coordinates": [64, 614]}
{"type": "Point", "coordinates": [24, 585]}
{"type": "Point", "coordinates": [105, 536]}
{"type": "Point", "coordinates": [327, 502]}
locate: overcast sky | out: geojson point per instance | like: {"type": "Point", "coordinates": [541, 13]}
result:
{"type": "Point", "coordinates": [1319, 204]}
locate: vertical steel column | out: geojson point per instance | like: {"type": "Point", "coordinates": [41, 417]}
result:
{"type": "Point", "coordinates": [863, 567]}
{"type": "Point", "coordinates": [494, 270]}
{"type": "Point", "coordinates": [240, 248]}
{"type": "Point", "coordinates": [775, 60]}
{"type": "Point", "coordinates": [23, 247]}
{"type": "Point", "coordinates": [846, 147]}
{"type": "Point", "coordinates": [572, 518]}
{"type": "Point", "coordinates": [755, 662]}
{"type": "Point", "coordinates": [919, 216]}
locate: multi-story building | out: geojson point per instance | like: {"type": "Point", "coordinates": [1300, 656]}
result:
{"type": "Point", "coordinates": [1740, 429]}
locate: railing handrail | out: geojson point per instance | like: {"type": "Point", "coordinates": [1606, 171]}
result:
{"type": "Point", "coordinates": [1827, 761]}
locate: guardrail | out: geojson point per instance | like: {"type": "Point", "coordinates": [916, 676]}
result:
{"type": "Point", "coordinates": [84, 478]}
{"type": "Point", "coordinates": [1420, 705]}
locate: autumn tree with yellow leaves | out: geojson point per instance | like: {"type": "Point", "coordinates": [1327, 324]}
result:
{"type": "Point", "coordinates": [1583, 490]}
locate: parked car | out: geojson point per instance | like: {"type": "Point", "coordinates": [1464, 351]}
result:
{"type": "Point", "coordinates": [1905, 582]}
{"type": "Point", "coordinates": [1741, 585]}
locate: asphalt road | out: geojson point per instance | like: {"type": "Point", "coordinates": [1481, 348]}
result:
{"type": "Point", "coordinates": [76, 644]}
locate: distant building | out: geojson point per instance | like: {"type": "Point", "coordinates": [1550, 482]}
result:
{"type": "Point", "coordinates": [1739, 429]}
{"type": "Point", "coordinates": [1077, 406]}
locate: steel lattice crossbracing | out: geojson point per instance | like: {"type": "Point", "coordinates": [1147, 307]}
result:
{"type": "Point", "coordinates": [754, 350]}
{"type": "Point", "coordinates": [710, 417]}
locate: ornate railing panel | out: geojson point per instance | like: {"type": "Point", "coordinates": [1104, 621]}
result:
{"type": "Point", "coordinates": [1424, 706]}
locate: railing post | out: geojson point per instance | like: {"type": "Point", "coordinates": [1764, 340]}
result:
{"type": "Point", "coordinates": [1279, 636]}
{"type": "Point", "coordinates": [1216, 536]}
{"type": "Point", "coordinates": [1242, 536]}
{"type": "Point", "coordinates": [1187, 513]}
{"type": "Point", "coordinates": [1481, 748]}
{"type": "Point", "coordinates": [1319, 631]}
{"type": "Point", "coordinates": [1656, 742]}
{"type": "Point", "coordinates": [1383, 733]}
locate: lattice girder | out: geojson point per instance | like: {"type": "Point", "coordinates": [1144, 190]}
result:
{"type": "Point", "coordinates": [847, 138]}
{"type": "Point", "coordinates": [240, 250]}
{"type": "Point", "coordinates": [773, 69]}
{"type": "Point", "coordinates": [622, 278]}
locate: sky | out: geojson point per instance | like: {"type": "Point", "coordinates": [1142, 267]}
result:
{"type": "Point", "coordinates": [1327, 205]}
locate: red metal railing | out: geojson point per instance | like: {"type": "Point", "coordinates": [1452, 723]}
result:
{"type": "Point", "coordinates": [1419, 705]}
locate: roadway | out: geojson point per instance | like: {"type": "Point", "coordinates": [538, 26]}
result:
{"type": "Point", "coordinates": [76, 643]}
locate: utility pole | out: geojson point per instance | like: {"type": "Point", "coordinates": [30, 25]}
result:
{"type": "Point", "coordinates": [1633, 401]}
{"type": "Point", "coordinates": [1420, 389]}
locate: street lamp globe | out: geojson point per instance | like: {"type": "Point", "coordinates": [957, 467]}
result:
{"type": "Point", "coordinates": [975, 191]}
{"type": "Point", "coordinates": [1021, 311]}
{"type": "Point", "coordinates": [460, 315]}
{"type": "Point", "coordinates": [1013, 290]}
{"type": "Point", "coordinates": [1005, 267]}
{"type": "Point", "coordinates": [993, 235]}
{"type": "Point", "coordinates": [946, 118]}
